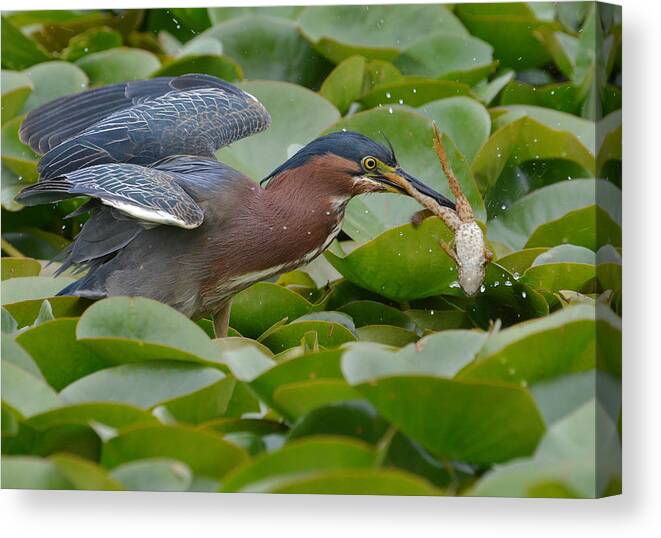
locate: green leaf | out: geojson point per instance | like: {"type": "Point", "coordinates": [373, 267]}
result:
{"type": "Point", "coordinates": [84, 474]}
{"type": "Point", "coordinates": [376, 32]}
{"type": "Point", "coordinates": [18, 50]}
{"type": "Point", "coordinates": [270, 48]}
{"type": "Point", "coordinates": [32, 287]}
{"type": "Point", "coordinates": [518, 261]}
{"type": "Point", "coordinates": [526, 139]}
{"type": "Point", "coordinates": [453, 113]}
{"type": "Point", "coordinates": [445, 55]}
{"type": "Point", "coordinates": [19, 267]}
{"type": "Point", "coordinates": [401, 264]}
{"type": "Point", "coordinates": [141, 384]}
{"type": "Point", "coordinates": [355, 482]}
{"type": "Point", "coordinates": [376, 313]}
{"type": "Point", "coordinates": [17, 158]}
{"type": "Point", "coordinates": [154, 474]}
{"type": "Point", "coordinates": [204, 404]}
{"type": "Point", "coordinates": [118, 65]}
{"type": "Point", "coordinates": [413, 91]}
{"type": "Point", "coordinates": [29, 472]}
{"type": "Point", "coordinates": [91, 41]}
{"type": "Point", "coordinates": [442, 354]}
{"type": "Point", "coordinates": [295, 400]}
{"type": "Point", "coordinates": [517, 225]}
{"type": "Point", "coordinates": [304, 456]}
{"type": "Point", "coordinates": [558, 96]}
{"type": "Point", "coordinates": [345, 83]}
{"type": "Point", "coordinates": [386, 334]}
{"type": "Point", "coordinates": [476, 422]}
{"type": "Point", "coordinates": [411, 135]}
{"type": "Point", "coordinates": [51, 80]}
{"type": "Point", "coordinates": [260, 306]}
{"type": "Point", "coordinates": [16, 87]}
{"type": "Point", "coordinates": [127, 329]}
{"type": "Point", "coordinates": [589, 227]}
{"type": "Point", "coordinates": [529, 352]}
{"type": "Point", "coordinates": [206, 453]}
{"type": "Point", "coordinates": [565, 267]}
{"type": "Point", "coordinates": [25, 392]}
{"type": "Point", "coordinates": [26, 312]}
{"type": "Point", "coordinates": [510, 29]}
{"type": "Point", "coordinates": [329, 335]}
{"type": "Point", "coordinates": [221, 14]}
{"type": "Point", "coordinates": [113, 415]}
{"type": "Point", "coordinates": [298, 116]}
{"type": "Point", "coordinates": [210, 64]}
{"type": "Point", "coordinates": [488, 91]}
{"type": "Point", "coordinates": [356, 419]}
{"type": "Point", "coordinates": [60, 357]}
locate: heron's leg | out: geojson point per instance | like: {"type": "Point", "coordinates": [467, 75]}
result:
{"type": "Point", "coordinates": [221, 320]}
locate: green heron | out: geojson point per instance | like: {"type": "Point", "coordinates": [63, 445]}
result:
{"type": "Point", "coordinates": [167, 220]}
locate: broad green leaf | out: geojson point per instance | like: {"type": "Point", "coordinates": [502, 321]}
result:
{"type": "Point", "coordinates": [53, 79]}
{"type": "Point", "coordinates": [401, 264]}
{"type": "Point", "coordinates": [32, 287]}
{"type": "Point", "coordinates": [210, 64]}
{"type": "Point", "coordinates": [26, 312]}
{"type": "Point", "coordinates": [19, 267]}
{"type": "Point", "coordinates": [126, 329]}
{"type": "Point", "coordinates": [488, 91]}
{"type": "Point", "coordinates": [529, 352]}
{"type": "Point", "coordinates": [411, 136]}
{"type": "Point", "coordinates": [518, 261]}
{"type": "Point", "coordinates": [25, 392]}
{"type": "Point", "coordinates": [83, 474]}
{"type": "Point", "coordinates": [16, 87]}
{"type": "Point", "coordinates": [12, 352]}
{"type": "Point", "coordinates": [376, 32]}
{"type": "Point", "coordinates": [61, 358]}
{"type": "Point", "coordinates": [442, 354]}
{"type": "Point", "coordinates": [329, 335]}
{"type": "Point", "coordinates": [294, 400]}
{"type": "Point", "coordinates": [19, 160]}
{"type": "Point", "coordinates": [91, 41]}
{"type": "Point", "coordinates": [260, 306]}
{"type": "Point", "coordinates": [270, 48]}
{"type": "Point", "coordinates": [376, 313]}
{"type": "Point", "coordinates": [413, 91]}
{"type": "Point", "coordinates": [298, 116]}
{"type": "Point", "coordinates": [509, 28]}
{"type": "Point", "coordinates": [114, 415]}
{"type": "Point", "coordinates": [386, 334]}
{"type": "Point", "coordinates": [557, 96]}
{"type": "Point", "coordinates": [453, 115]}
{"type": "Point", "coordinates": [203, 404]}
{"type": "Point", "coordinates": [564, 267]}
{"type": "Point", "coordinates": [439, 320]}
{"type": "Point", "coordinates": [519, 222]}
{"type": "Point", "coordinates": [30, 472]}
{"type": "Point", "coordinates": [582, 129]}
{"type": "Point", "coordinates": [354, 482]}
{"type": "Point", "coordinates": [206, 453]}
{"type": "Point", "coordinates": [312, 454]}
{"type": "Point", "coordinates": [141, 384]}
{"type": "Point", "coordinates": [445, 55]}
{"type": "Point", "coordinates": [471, 421]}
{"type": "Point", "coordinates": [221, 14]}
{"type": "Point", "coordinates": [356, 419]}
{"type": "Point", "coordinates": [118, 65]}
{"type": "Point", "coordinates": [154, 474]}
{"type": "Point", "coordinates": [527, 139]}
{"type": "Point", "coordinates": [18, 50]}
{"type": "Point", "coordinates": [344, 85]}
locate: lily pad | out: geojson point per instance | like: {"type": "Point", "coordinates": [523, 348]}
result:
{"type": "Point", "coordinates": [329, 335]}
{"type": "Point", "coordinates": [206, 453]}
{"type": "Point", "coordinates": [18, 50]}
{"type": "Point", "coordinates": [91, 41]}
{"type": "Point", "coordinates": [154, 474]}
{"type": "Point", "coordinates": [210, 64]}
{"type": "Point", "coordinates": [114, 415]}
{"type": "Point", "coordinates": [51, 80]}
{"type": "Point", "coordinates": [19, 267]}
{"type": "Point", "coordinates": [32, 287]}
{"type": "Point", "coordinates": [344, 85]}
{"type": "Point", "coordinates": [270, 48]}
{"type": "Point", "coordinates": [26, 312]}
{"type": "Point", "coordinates": [298, 116]}
{"type": "Point", "coordinates": [16, 87]}
{"type": "Point", "coordinates": [118, 65]}
{"type": "Point", "coordinates": [126, 329]}
{"type": "Point", "coordinates": [376, 32]}
{"type": "Point", "coordinates": [25, 392]}
{"type": "Point", "coordinates": [413, 91]}
{"type": "Point", "coordinates": [295, 400]}
{"type": "Point", "coordinates": [307, 455]}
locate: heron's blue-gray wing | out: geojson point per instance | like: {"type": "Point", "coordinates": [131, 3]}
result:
{"type": "Point", "coordinates": [191, 114]}
{"type": "Point", "coordinates": [144, 193]}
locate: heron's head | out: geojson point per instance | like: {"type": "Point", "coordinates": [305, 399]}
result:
{"type": "Point", "coordinates": [353, 163]}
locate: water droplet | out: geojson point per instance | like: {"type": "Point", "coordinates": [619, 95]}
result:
{"type": "Point", "coordinates": [432, 312]}
{"type": "Point", "coordinates": [503, 207]}
{"type": "Point", "coordinates": [388, 95]}
{"type": "Point", "coordinates": [508, 283]}
{"type": "Point", "coordinates": [415, 90]}
{"type": "Point", "coordinates": [524, 294]}
{"type": "Point", "coordinates": [284, 227]}
{"type": "Point", "coordinates": [496, 284]}
{"type": "Point", "coordinates": [309, 232]}
{"type": "Point", "coordinates": [454, 284]}
{"type": "Point", "coordinates": [390, 110]}
{"type": "Point", "coordinates": [401, 101]}
{"type": "Point", "coordinates": [483, 288]}
{"type": "Point", "coordinates": [328, 212]}
{"type": "Point", "coordinates": [517, 276]}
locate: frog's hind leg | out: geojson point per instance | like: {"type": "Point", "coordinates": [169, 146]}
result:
{"type": "Point", "coordinates": [463, 207]}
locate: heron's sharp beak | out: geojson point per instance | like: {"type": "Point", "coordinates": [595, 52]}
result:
{"type": "Point", "coordinates": [399, 178]}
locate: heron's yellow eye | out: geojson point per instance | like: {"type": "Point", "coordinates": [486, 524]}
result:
{"type": "Point", "coordinates": [369, 163]}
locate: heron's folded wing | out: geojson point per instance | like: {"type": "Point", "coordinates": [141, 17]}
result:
{"type": "Point", "coordinates": [147, 194]}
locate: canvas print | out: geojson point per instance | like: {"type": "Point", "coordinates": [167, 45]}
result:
{"type": "Point", "coordinates": [326, 249]}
